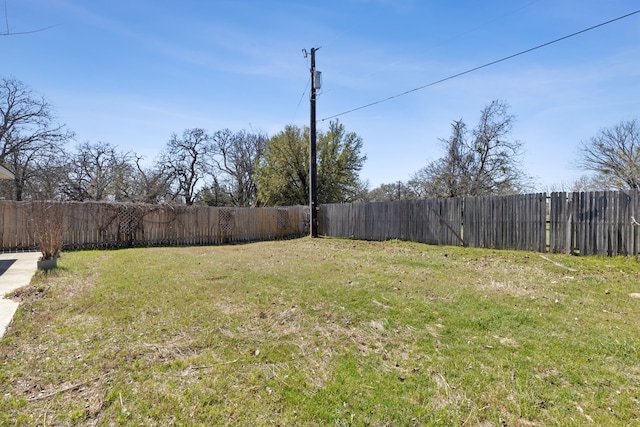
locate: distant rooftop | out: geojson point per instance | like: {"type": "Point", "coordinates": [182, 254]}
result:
{"type": "Point", "coordinates": [6, 173]}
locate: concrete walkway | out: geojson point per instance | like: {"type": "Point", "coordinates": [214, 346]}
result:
{"type": "Point", "coordinates": [16, 270]}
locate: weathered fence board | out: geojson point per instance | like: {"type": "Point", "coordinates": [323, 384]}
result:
{"type": "Point", "coordinates": [560, 215]}
{"type": "Point", "coordinates": [108, 225]}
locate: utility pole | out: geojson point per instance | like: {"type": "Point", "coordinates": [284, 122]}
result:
{"type": "Point", "coordinates": [313, 170]}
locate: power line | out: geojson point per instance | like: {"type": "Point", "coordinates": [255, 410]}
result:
{"type": "Point", "coordinates": [301, 97]}
{"type": "Point", "coordinates": [9, 33]}
{"type": "Point", "coordinates": [481, 66]}
{"type": "Point", "coordinates": [27, 32]}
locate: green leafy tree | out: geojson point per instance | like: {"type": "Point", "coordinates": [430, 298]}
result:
{"type": "Point", "coordinates": [215, 195]}
{"type": "Point", "coordinates": [391, 192]}
{"type": "Point", "coordinates": [339, 165]}
{"type": "Point", "coordinates": [283, 173]}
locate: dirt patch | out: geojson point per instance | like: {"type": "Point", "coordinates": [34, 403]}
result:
{"type": "Point", "coordinates": [28, 293]}
{"type": "Point", "coordinates": [507, 287]}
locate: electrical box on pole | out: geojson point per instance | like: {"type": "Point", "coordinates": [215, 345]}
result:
{"type": "Point", "coordinates": [317, 80]}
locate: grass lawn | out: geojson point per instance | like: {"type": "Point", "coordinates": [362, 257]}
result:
{"type": "Point", "coordinates": [325, 332]}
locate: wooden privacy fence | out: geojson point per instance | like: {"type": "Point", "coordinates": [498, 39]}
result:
{"type": "Point", "coordinates": [592, 223]}
{"type": "Point", "coordinates": [432, 221]}
{"type": "Point", "coordinates": [506, 222]}
{"type": "Point", "coordinates": [111, 225]}
{"type": "Point", "coordinates": [595, 223]}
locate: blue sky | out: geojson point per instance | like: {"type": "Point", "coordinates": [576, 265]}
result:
{"type": "Point", "coordinates": [131, 72]}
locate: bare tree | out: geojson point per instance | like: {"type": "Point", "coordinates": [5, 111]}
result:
{"type": "Point", "coordinates": [184, 162]}
{"type": "Point", "coordinates": [583, 183]}
{"type": "Point", "coordinates": [237, 156]}
{"type": "Point", "coordinates": [614, 154]}
{"type": "Point", "coordinates": [93, 170]}
{"type": "Point", "coordinates": [136, 183]}
{"type": "Point", "coordinates": [450, 176]}
{"type": "Point", "coordinates": [46, 181]}
{"type": "Point", "coordinates": [36, 172]}
{"type": "Point", "coordinates": [28, 131]}
{"type": "Point", "coordinates": [479, 162]}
